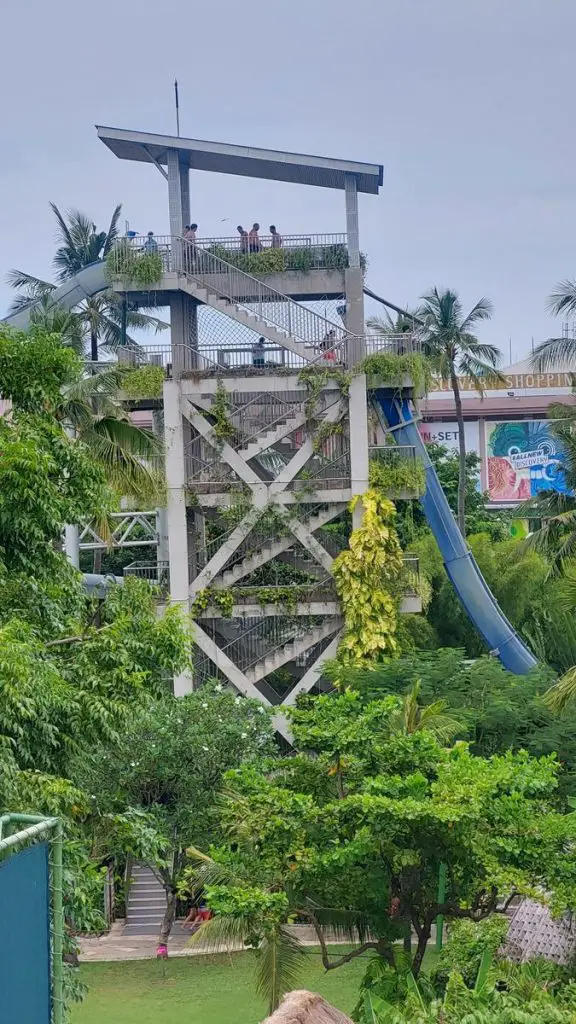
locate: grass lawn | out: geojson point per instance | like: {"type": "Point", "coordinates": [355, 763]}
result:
{"type": "Point", "coordinates": [198, 990]}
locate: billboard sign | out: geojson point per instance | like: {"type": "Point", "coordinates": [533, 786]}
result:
{"type": "Point", "coordinates": [446, 434]}
{"type": "Point", "coordinates": [523, 458]}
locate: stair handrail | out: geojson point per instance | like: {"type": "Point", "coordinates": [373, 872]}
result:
{"type": "Point", "coordinates": [300, 633]}
{"type": "Point", "coordinates": [193, 264]}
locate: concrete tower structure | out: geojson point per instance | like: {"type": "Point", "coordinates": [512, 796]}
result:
{"type": "Point", "coordinates": [263, 454]}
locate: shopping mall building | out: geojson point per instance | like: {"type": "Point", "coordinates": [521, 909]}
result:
{"type": "Point", "coordinates": [508, 428]}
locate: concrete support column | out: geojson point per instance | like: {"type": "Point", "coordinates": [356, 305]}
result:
{"type": "Point", "coordinates": [178, 193]}
{"type": "Point", "coordinates": [163, 552]}
{"type": "Point", "coordinates": [354, 280]}
{"type": "Point", "coordinates": [72, 545]}
{"type": "Point", "coordinates": [178, 202]}
{"type": "Point", "coordinates": [183, 332]}
{"type": "Point", "coordinates": [358, 413]}
{"type": "Point", "coordinates": [176, 511]}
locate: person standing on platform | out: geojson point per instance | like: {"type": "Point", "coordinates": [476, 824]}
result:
{"type": "Point", "coordinates": [258, 357]}
{"type": "Point", "coordinates": [243, 238]}
{"type": "Point", "coordinates": [254, 239]}
{"type": "Point", "coordinates": [150, 245]}
{"type": "Point", "coordinates": [276, 242]}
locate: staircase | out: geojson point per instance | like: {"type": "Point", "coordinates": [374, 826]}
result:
{"type": "Point", "coordinates": [288, 652]}
{"type": "Point", "coordinates": [277, 433]}
{"type": "Point", "coordinates": [270, 550]}
{"type": "Point", "coordinates": [145, 902]}
{"type": "Point", "coordinates": [280, 319]}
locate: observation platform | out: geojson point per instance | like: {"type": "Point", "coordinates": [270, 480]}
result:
{"type": "Point", "coordinates": [305, 268]}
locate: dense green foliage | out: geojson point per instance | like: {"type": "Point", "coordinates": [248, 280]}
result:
{"type": "Point", "coordinates": [351, 832]}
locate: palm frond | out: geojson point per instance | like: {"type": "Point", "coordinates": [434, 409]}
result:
{"type": "Point", "coordinates": [34, 290]}
{"type": "Point", "coordinates": [346, 924]}
{"type": "Point", "coordinates": [554, 354]}
{"type": "Point", "coordinates": [112, 233]}
{"type": "Point", "coordinates": [279, 962]}
{"type": "Point", "coordinates": [563, 692]}
{"type": "Point", "coordinates": [563, 300]}
{"type": "Point", "coordinates": [56, 320]}
{"type": "Point", "coordinates": [222, 933]}
{"type": "Point", "coordinates": [64, 235]}
{"type": "Point", "coordinates": [205, 871]}
{"type": "Point", "coordinates": [107, 382]}
{"type": "Point", "coordinates": [124, 469]}
{"type": "Point", "coordinates": [482, 310]}
{"type": "Point", "coordinates": [19, 279]}
{"type": "Point", "coordinates": [134, 440]}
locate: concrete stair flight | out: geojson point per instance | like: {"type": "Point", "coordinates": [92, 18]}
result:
{"type": "Point", "coordinates": [291, 650]}
{"type": "Point", "coordinates": [247, 318]}
{"type": "Point", "coordinates": [269, 551]}
{"type": "Point", "coordinates": [265, 441]}
{"type": "Point", "coordinates": [145, 902]}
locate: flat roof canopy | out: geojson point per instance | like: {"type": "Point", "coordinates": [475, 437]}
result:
{"type": "Point", "coordinates": [222, 158]}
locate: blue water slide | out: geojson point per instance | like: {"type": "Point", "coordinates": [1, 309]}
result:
{"type": "Point", "coordinates": [460, 564]}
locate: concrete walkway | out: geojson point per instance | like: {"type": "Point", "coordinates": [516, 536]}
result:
{"type": "Point", "coordinates": [115, 946]}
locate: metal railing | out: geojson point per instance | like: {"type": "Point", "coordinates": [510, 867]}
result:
{"type": "Point", "coordinates": [296, 252]}
{"type": "Point", "coordinates": [411, 576]}
{"type": "Point", "coordinates": [393, 454]}
{"type": "Point", "coordinates": [396, 344]}
{"type": "Point", "coordinates": [154, 572]}
{"type": "Point", "coordinates": [227, 281]}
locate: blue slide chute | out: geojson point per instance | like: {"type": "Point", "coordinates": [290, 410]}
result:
{"type": "Point", "coordinates": [478, 601]}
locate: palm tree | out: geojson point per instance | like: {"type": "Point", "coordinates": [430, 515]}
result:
{"type": "Point", "coordinates": [411, 717]}
{"type": "Point", "coordinates": [454, 350]}
{"type": "Point", "coordinates": [100, 317]}
{"type": "Point", "coordinates": [387, 326]}
{"type": "Point", "coordinates": [558, 352]}
{"type": "Point", "coordinates": [279, 953]}
{"type": "Point", "coordinates": [128, 454]}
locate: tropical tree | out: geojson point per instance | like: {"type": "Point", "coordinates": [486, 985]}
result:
{"type": "Point", "coordinates": [388, 326]}
{"type": "Point", "coordinates": [128, 454]}
{"type": "Point", "coordinates": [557, 353]}
{"type": "Point", "coordinates": [98, 318]}
{"type": "Point", "coordinates": [168, 765]}
{"type": "Point", "coordinates": [448, 339]}
{"type": "Point", "coordinates": [359, 849]}
{"type": "Point", "coordinates": [88, 406]}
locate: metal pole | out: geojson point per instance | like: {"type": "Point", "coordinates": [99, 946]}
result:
{"type": "Point", "coordinates": [124, 323]}
{"type": "Point", "coordinates": [177, 107]}
{"type": "Point", "coordinates": [441, 898]}
{"type": "Point", "coordinates": [58, 916]}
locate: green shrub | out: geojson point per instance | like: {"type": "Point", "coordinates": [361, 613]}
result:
{"type": "Point", "coordinates": [148, 269]}
{"type": "Point", "coordinates": [124, 263]}
{"type": "Point", "coordinates": [145, 382]}
{"type": "Point", "coordinates": [391, 370]}
{"type": "Point", "coordinates": [467, 943]}
{"type": "Point", "coordinates": [396, 475]}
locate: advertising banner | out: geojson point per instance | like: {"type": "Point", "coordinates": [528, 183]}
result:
{"type": "Point", "coordinates": [446, 434]}
{"type": "Point", "coordinates": [524, 458]}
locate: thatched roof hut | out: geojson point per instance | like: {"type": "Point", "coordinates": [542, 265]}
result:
{"type": "Point", "coordinates": [306, 1008]}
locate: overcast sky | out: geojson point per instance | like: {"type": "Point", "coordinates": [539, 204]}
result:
{"type": "Point", "coordinates": [467, 103]}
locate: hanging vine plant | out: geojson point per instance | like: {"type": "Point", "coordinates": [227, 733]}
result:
{"type": "Point", "coordinates": [220, 411]}
{"type": "Point", "coordinates": [367, 577]}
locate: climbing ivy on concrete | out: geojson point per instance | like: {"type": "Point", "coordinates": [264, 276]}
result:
{"type": "Point", "coordinates": [367, 576]}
